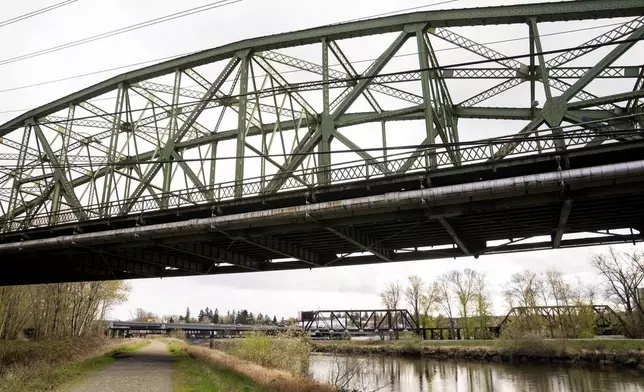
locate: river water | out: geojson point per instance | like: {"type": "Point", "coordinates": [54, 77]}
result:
{"type": "Point", "coordinates": [393, 374]}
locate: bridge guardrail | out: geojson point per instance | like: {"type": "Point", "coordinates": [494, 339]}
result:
{"type": "Point", "coordinates": [423, 160]}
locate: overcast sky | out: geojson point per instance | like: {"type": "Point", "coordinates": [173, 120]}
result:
{"type": "Point", "coordinates": [279, 293]}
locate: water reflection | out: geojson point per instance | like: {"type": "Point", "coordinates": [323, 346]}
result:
{"type": "Point", "coordinates": [416, 375]}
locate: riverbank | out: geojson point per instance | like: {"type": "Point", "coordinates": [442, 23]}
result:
{"type": "Point", "coordinates": [617, 352]}
{"type": "Point", "coordinates": [202, 368]}
{"type": "Point", "coordinates": [46, 365]}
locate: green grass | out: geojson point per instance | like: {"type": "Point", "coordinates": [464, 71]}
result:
{"type": "Point", "coordinates": [571, 345]}
{"type": "Point", "coordinates": [41, 376]}
{"type": "Point", "coordinates": [128, 348]}
{"type": "Point", "coordinates": [193, 375]}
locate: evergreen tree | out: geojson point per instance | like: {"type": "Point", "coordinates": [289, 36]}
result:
{"type": "Point", "coordinates": [274, 320]}
{"type": "Point", "coordinates": [215, 317]}
{"type": "Point", "coordinates": [180, 318]}
{"type": "Point", "coordinates": [171, 321]}
{"type": "Point", "coordinates": [187, 318]}
{"type": "Point", "coordinates": [201, 316]}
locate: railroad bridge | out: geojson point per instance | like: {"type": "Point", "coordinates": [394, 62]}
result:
{"type": "Point", "coordinates": [293, 151]}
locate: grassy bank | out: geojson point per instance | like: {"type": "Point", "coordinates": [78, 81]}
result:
{"type": "Point", "coordinates": [202, 369]}
{"type": "Point", "coordinates": [584, 351]}
{"type": "Point", "coordinates": [48, 364]}
{"type": "Point", "coordinates": [282, 353]}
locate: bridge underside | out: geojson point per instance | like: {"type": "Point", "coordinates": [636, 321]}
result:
{"type": "Point", "coordinates": [467, 226]}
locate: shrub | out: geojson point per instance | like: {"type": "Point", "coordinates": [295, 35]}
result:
{"type": "Point", "coordinates": [281, 352]}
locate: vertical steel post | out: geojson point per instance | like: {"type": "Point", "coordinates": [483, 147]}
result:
{"type": "Point", "coordinates": [17, 176]}
{"type": "Point", "coordinates": [111, 158]}
{"type": "Point", "coordinates": [241, 124]}
{"type": "Point", "coordinates": [327, 125]}
{"type": "Point", "coordinates": [423, 59]}
{"type": "Point", "coordinates": [531, 72]}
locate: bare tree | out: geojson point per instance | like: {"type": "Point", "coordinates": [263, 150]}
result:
{"type": "Point", "coordinates": [623, 274]}
{"type": "Point", "coordinates": [414, 294]}
{"type": "Point", "coordinates": [142, 315]}
{"type": "Point", "coordinates": [464, 285]}
{"type": "Point", "coordinates": [63, 309]}
{"type": "Point", "coordinates": [391, 295]}
{"type": "Point", "coordinates": [523, 289]}
{"type": "Point", "coordinates": [429, 300]}
{"type": "Point", "coordinates": [445, 298]}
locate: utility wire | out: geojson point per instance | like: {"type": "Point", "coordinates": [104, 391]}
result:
{"type": "Point", "coordinates": [282, 72]}
{"type": "Point", "coordinates": [35, 13]}
{"type": "Point", "coordinates": [397, 11]}
{"type": "Point", "coordinates": [311, 84]}
{"type": "Point", "coordinates": [137, 26]}
{"type": "Point", "coordinates": [189, 53]}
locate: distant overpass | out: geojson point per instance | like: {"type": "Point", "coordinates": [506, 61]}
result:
{"type": "Point", "coordinates": [129, 327]}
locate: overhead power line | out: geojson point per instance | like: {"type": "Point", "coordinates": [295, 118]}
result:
{"type": "Point", "coordinates": [35, 13]}
{"type": "Point", "coordinates": [398, 11]}
{"type": "Point", "coordinates": [282, 72]}
{"type": "Point", "coordinates": [312, 84]}
{"type": "Point", "coordinates": [137, 26]}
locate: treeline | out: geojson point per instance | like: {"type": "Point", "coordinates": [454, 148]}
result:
{"type": "Point", "coordinates": [210, 316]}
{"type": "Point", "coordinates": [54, 310]}
{"type": "Point", "coordinates": [461, 299]}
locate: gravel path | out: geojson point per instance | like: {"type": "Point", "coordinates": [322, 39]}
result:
{"type": "Point", "coordinates": [148, 369]}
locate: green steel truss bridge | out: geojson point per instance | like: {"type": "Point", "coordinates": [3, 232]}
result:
{"type": "Point", "coordinates": [380, 140]}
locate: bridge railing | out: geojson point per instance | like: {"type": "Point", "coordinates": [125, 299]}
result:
{"type": "Point", "coordinates": [422, 160]}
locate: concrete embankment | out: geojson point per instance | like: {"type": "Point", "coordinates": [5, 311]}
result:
{"type": "Point", "coordinates": [620, 353]}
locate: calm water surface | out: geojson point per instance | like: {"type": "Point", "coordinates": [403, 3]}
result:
{"type": "Point", "coordinates": [388, 374]}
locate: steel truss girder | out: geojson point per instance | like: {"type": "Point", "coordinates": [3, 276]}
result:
{"type": "Point", "coordinates": [560, 103]}
{"type": "Point", "coordinates": [559, 73]}
{"type": "Point", "coordinates": [354, 320]}
{"type": "Point", "coordinates": [545, 12]}
{"type": "Point", "coordinates": [120, 125]}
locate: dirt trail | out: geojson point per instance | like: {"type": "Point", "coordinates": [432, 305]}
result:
{"type": "Point", "coordinates": [148, 369]}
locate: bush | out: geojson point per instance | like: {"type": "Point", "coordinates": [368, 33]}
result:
{"type": "Point", "coordinates": [19, 353]}
{"type": "Point", "coordinates": [282, 352]}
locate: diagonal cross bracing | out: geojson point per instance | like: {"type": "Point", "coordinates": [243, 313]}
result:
{"type": "Point", "coordinates": [359, 239]}
{"type": "Point", "coordinates": [452, 233]}
{"type": "Point", "coordinates": [59, 175]}
{"type": "Point", "coordinates": [371, 71]}
{"type": "Point", "coordinates": [169, 147]}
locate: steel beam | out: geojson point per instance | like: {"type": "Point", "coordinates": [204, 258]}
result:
{"type": "Point", "coordinates": [282, 248]}
{"type": "Point", "coordinates": [452, 233]}
{"type": "Point", "coordinates": [359, 239]}
{"type": "Point", "coordinates": [563, 220]}
{"type": "Point", "coordinates": [371, 71]}
{"type": "Point", "coordinates": [544, 12]}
